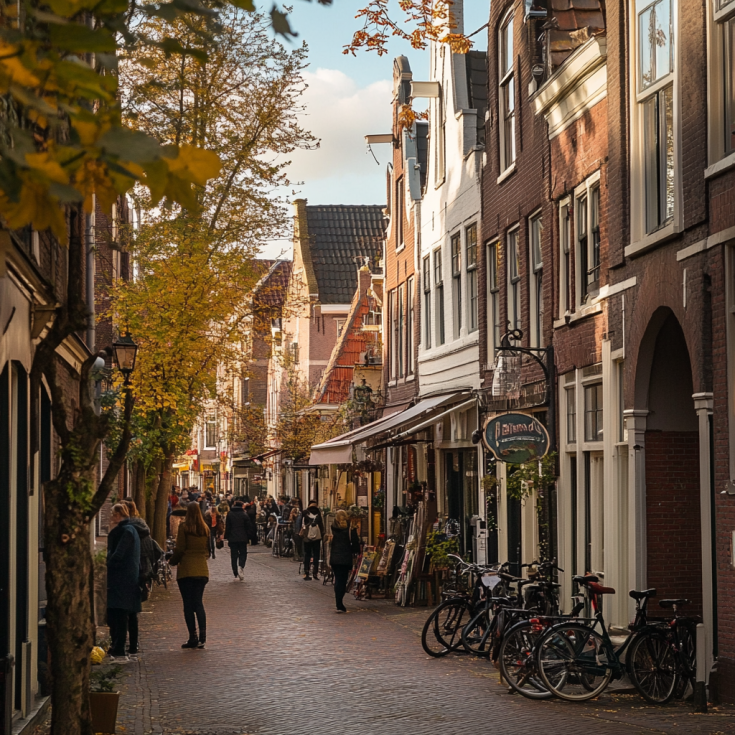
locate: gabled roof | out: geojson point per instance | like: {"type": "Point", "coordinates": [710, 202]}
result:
{"type": "Point", "coordinates": [271, 288]}
{"type": "Point", "coordinates": [337, 235]}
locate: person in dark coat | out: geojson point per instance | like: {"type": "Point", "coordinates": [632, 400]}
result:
{"type": "Point", "coordinates": [239, 530]}
{"type": "Point", "coordinates": [345, 547]}
{"type": "Point", "coordinates": [252, 513]}
{"type": "Point", "coordinates": [312, 533]}
{"type": "Point", "coordinates": [123, 592]}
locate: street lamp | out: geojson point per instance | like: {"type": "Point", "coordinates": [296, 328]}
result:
{"type": "Point", "coordinates": [125, 351]}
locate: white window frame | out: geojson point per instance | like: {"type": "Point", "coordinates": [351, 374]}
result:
{"type": "Point", "coordinates": [566, 262]}
{"type": "Point", "coordinates": [584, 193]}
{"type": "Point", "coordinates": [400, 206]}
{"type": "Point", "coordinates": [506, 80]}
{"type": "Point", "coordinates": [514, 297]}
{"type": "Point", "coordinates": [426, 311]}
{"type": "Point", "coordinates": [641, 239]}
{"type": "Point", "coordinates": [720, 156]}
{"type": "Point", "coordinates": [410, 313]}
{"type": "Point", "coordinates": [473, 294]}
{"type": "Point", "coordinates": [456, 258]}
{"type": "Point", "coordinates": [535, 280]}
{"type": "Point", "coordinates": [211, 419]}
{"type": "Point", "coordinates": [494, 331]}
{"type": "Point", "coordinates": [401, 339]}
{"type": "Point", "coordinates": [440, 308]}
{"type": "Point", "coordinates": [392, 334]}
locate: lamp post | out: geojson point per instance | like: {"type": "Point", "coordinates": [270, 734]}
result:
{"type": "Point", "coordinates": [125, 351]}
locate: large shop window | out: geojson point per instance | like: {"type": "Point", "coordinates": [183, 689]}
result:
{"type": "Point", "coordinates": [656, 96]}
{"type": "Point", "coordinates": [514, 281]}
{"type": "Point", "coordinates": [593, 413]}
{"type": "Point", "coordinates": [493, 301]}
{"type": "Point", "coordinates": [439, 284]}
{"type": "Point", "coordinates": [507, 95]}
{"type": "Point", "coordinates": [456, 248]}
{"type": "Point", "coordinates": [473, 296]}
{"type": "Point", "coordinates": [535, 231]}
{"type": "Point", "coordinates": [426, 279]}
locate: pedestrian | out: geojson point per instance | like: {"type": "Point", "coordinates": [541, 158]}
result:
{"type": "Point", "coordinates": [190, 555]}
{"type": "Point", "coordinates": [253, 515]}
{"type": "Point", "coordinates": [213, 521]}
{"type": "Point", "coordinates": [298, 520]}
{"type": "Point", "coordinates": [312, 532]}
{"type": "Point", "coordinates": [239, 530]}
{"type": "Point", "coordinates": [223, 508]}
{"type": "Point", "coordinates": [123, 592]}
{"type": "Point", "coordinates": [177, 517]}
{"type": "Point", "coordinates": [345, 547]}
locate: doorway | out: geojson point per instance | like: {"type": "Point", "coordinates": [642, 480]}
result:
{"type": "Point", "coordinates": [461, 484]}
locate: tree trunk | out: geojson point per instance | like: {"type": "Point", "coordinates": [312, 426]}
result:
{"type": "Point", "coordinates": [152, 479]}
{"type": "Point", "coordinates": [139, 490]}
{"type": "Point", "coordinates": [164, 490]}
{"type": "Point", "coordinates": [68, 613]}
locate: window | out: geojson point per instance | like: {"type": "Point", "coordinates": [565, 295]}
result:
{"type": "Point", "coordinates": [658, 147]}
{"type": "Point", "coordinates": [535, 230]}
{"type": "Point", "coordinates": [399, 213]}
{"type": "Point", "coordinates": [588, 238]}
{"type": "Point", "coordinates": [473, 296]}
{"type": "Point", "coordinates": [514, 282]}
{"type": "Point", "coordinates": [507, 95]}
{"type": "Point", "coordinates": [340, 323]}
{"type": "Point", "coordinates": [566, 276]}
{"type": "Point", "coordinates": [393, 334]}
{"type": "Point", "coordinates": [656, 65]}
{"type": "Point", "coordinates": [593, 275]}
{"type": "Point", "coordinates": [571, 415]}
{"type": "Point", "coordinates": [409, 326]}
{"type": "Point", "coordinates": [593, 413]}
{"type": "Point", "coordinates": [245, 391]}
{"type": "Point", "coordinates": [493, 287]}
{"type": "Point", "coordinates": [210, 432]}
{"type": "Point", "coordinates": [439, 283]}
{"type": "Point", "coordinates": [456, 247]}
{"type": "Point", "coordinates": [441, 142]}
{"type": "Point", "coordinates": [426, 278]}
{"type": "Point", "coordinates": [728, 31]}
{"type": "Point", "coordinates": [401, 323]}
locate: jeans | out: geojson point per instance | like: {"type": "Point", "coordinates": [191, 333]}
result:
{"type": "Point", "coordinates": [238, 554]}
{"type": "Point", "coordinates": [311, 551]}
{"type": "Point", "coordinates": [341, 575]}
{"type": "Point", "coordinates": [212, 540]}
{"type": "Point", "coordinates": [192, 592]}
{"type": "Point", "coordinates": [133, 632]}
{"type": "Point", "coordinates": [117, 620]}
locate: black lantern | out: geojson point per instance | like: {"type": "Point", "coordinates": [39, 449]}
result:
{"type": "Point", "coordinates": [125, 351]}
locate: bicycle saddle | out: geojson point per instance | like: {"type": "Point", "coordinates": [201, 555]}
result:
{"type": "Point", "coordinates": [670, 603]}
{"type": "Point", "coordinates": [636, 595]}
{"type": "Point", "coordinates": [585, 579]}
{"type": "Point", "coordinates": [508, 577]}
{"type": "Point", "coordinates": [598, 589]}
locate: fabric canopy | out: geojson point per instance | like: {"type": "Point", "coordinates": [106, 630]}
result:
{"type": "Point", "coordinates": [339, 449]}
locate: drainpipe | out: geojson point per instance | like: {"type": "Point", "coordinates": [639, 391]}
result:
{"type": "Point", "coordinates": [89, 249]}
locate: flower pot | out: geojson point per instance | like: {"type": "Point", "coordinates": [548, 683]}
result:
{"type": "Point", "coordinates": [103, 706]}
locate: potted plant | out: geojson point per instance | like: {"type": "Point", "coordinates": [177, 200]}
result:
{"type": "Point", "coordinates": [104, 699]}
{"type": "Point", "coordinates": [438, 548]}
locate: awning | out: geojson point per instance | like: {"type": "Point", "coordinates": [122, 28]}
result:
{"type": "Point", "coordinates": [270, 453]}
{"type": "Point", "coordinates": [425, 424]}
{"type": "Point", "coordinates": [179, 465]}
{"type": "Point", "coordinates": [339, 449]}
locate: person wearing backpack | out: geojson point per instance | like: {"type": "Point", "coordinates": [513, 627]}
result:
{"type": "Point", "coordinates": [312, 532]}
{"type": "Point", "coordinates": [345, 547]}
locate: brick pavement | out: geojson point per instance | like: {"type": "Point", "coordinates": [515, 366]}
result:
{"type": "Point", "coordinates": [280, 662]}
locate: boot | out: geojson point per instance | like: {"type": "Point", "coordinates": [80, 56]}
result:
{"type": "Point", "coordinates": [191, 643]}
{"type": "Point", "coordinates": [202, 638]}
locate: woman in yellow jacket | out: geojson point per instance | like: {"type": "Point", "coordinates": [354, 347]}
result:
{"type": "Point", "coordinates": [191, 554]}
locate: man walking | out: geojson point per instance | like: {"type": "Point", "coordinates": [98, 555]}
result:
{"type": "Point", "coordinates": [239, 529]}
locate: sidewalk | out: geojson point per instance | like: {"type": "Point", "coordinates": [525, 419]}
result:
{"type": "Point", "coordinates": [280, 662]}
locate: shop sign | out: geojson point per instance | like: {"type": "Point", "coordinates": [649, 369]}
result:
{"type": "Point", "coordinates": [516, 438]}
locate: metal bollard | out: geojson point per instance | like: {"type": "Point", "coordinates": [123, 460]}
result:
{"type": "Point", "coordinates": [700, 687]}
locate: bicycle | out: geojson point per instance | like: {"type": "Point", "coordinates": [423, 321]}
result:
{"type": "Point", "coordinates": [163, 574]}
{"type": "Point", "coordinates": [663, 660]}
{"type": "Point", "coordinates": [444, 625]}
{"type": "Point", "coordinates": [574, 661]}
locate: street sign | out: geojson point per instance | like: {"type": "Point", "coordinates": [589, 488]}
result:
{"type": "Point", "coordinates": [516, 438]}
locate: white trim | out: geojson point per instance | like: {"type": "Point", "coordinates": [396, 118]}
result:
{"type": "Point", "coordinates": [724, 164]}
{"type": "Point", "coordinates": [699, 247]}
{"type": "Point", "coordinates": [651, 241]}
{"type": "Point", "coordinates": [508, 171]}
{"type": "Point", "coordinates": [335, 308]}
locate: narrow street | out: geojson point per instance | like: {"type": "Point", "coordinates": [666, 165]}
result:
{"type": "Point", "coordinates": [279, 661]}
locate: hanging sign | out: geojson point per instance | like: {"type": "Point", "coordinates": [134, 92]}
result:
{"type": "Point", "coordinates": [516, 438]}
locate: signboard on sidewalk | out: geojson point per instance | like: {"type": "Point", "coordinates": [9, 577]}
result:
{"type": "Point", "coordinates": [516, 438]}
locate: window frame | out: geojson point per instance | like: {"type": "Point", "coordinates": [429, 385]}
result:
{"type": "Point", "coordinates": [441, 330]}
{"type": "Point", "coordinates": [584, 239]}
{"type": "Point", "coordinates": [493, 301]}
{"type": "Point", "coordinates": [400, 335]}
{"type": "Point", "coordinates": [506, 92]}
{"type": "Point", "coordinates": [426, 278]}
{"type": "Point", "coordinates": [566, 263]}
{"type": "Point", "coordinates": [393, 333]}
{"type": "Point", "coordinates": [571, 416]}
{"type": "Point", "coordinates": [597, 410]}
{"type": "Point", "coordinates": [210, 420]}
{"type": "Point", "coordinates": [410, 313]}
{"type": "Point", "coordinates": [400, 205]}
{"type": "Point", "coordinates": [473, 295]}
{"type": "Point", "coordinates": [644, 89]}
{"type": "Point", "coordinates": [535, 276]}
{"type": "Point", "coordinates": [514, 297]}
{"type": "Point", "coordinates": [455, 246]}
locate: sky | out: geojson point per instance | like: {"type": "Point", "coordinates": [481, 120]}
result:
{"type": "Point", "coordinates": [348, 98]}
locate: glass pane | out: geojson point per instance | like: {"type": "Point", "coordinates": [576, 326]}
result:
{"type": "Point", "coordinates": [663, 38]}
{"type": "Point", "coordinates": [536, 230]}
{"type": "Point", "coordinates": [506, 61]}
{"type": "Point", "coordinates": [650, 153]}
{"type": "Point", "coordinates": [513, 254]}
{"type": "Point", "coordinates": [456, 255]}
{"type": "Point", "coordinates": [571, 416]}
{"type": "Point", "coordinates": [668, 173]}
{"type": "Point", "coordinates": [646, 39]}
{"type": "Point", "coordinates": [437, 267]}
{"type": "Point", "coordinates": [471, 245]}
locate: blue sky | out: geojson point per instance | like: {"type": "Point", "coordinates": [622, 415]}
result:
{"type": "Point", "coordinates": [349, 97]}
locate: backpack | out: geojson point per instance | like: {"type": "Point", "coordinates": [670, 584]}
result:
{"type": "Point", "coordinates": [314, 533]}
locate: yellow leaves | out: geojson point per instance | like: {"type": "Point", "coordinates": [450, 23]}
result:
{"type": "Point", "coordinates": [44, 164]}
{"type": "Point", "coordinates": [93, 177]}
{"type": "Point", "coordinates": [195, 164]}
{"type": "Point", "coordinates": [35, 206]}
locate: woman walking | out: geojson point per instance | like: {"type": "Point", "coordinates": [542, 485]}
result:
{"type": "Point", "coordinates": [191, 554]}
{"type": "Point", "coordinates": [312, 532]}
{"type": "Point", "coordinates": [345, 546]}
{"type": "Point", "coordinates": [123, 592]}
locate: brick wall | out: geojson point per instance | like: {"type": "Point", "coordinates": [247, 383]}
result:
{"type": "Point", "coordinates": [672, 516]}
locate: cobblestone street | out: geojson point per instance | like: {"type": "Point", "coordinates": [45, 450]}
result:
{"type": "Point", "coordinates": [279, 661]}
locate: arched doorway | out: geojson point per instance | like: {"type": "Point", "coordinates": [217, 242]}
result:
{"type": "Point", "coordinates": [672, 478]}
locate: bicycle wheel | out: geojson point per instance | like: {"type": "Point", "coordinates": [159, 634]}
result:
{"type": "Point", "coordinates": [653, 669]}
{"type": "Point", "coordinates": [477, 635]}
{"type": "Point", "coordinates": [687, 632]}
{"type": "Point", "coordinates": [164, 578]}
{"type": "Point", "coordinates": [518, 662]}
{"type": "Point", "coordinates": [573, 662]}
{"type": "Point", "coordinates": [442, 630]}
